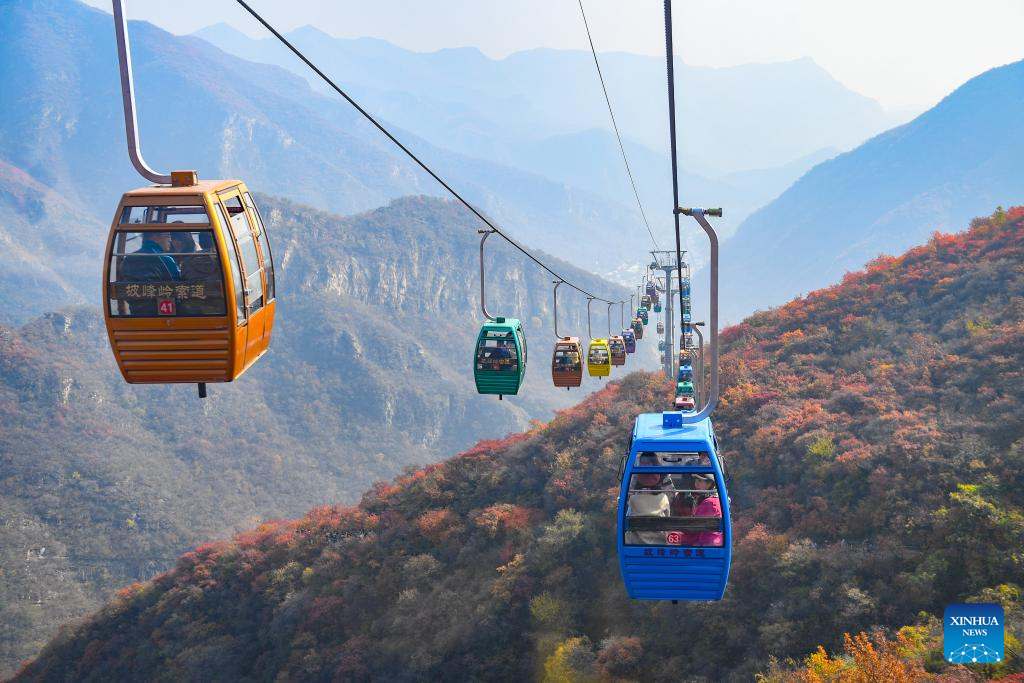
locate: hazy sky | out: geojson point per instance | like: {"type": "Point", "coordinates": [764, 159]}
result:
{"type": "Point", "coordinates": [907, 54]}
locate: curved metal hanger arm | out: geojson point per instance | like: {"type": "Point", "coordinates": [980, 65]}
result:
{"type": "Point", "coordinates": [483, 299]}
{"type": "Point", "coordinates": [556, 283]}
{"type": "Point", "coordinates": [131, 124]}
{"type": "Point", "coordinates": [610, 321]}
{"type": "Point", "coordinates": [712, 393]}
{"type": "Point", "coordinates": [589, 333]}
{"type": "Point", "coordinates": [698, 377]}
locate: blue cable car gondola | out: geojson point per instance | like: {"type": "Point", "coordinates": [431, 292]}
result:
{"type": "Point", "coordinates": [630, 340]}
{"type": "Point", "coordinates": [674, 532]}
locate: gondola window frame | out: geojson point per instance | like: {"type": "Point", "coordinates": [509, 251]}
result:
{"type": "Point", "coordinates": [242, 232]}
{"type": "Point", "coordinates": [266, 254]}
{"type": "Point", "coordinates": [241, 305]}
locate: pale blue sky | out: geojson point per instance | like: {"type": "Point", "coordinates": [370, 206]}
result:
{"type": "Point", "coordinates": [907, 54]}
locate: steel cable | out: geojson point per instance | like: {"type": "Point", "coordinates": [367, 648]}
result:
{"type": "Point", "coordinates": [369, 117]}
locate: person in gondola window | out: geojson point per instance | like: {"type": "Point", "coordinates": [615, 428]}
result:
{"type": "Point", "coordinates": [708, 506]}
{"type": "Point", "coordinates": [202, 270]}
{"type": "Point", "coordinates": [650, 497]}
{"type": "Point", "coordinates": [182, 243]}
{"type": "Point", "coordinates": [154, 268]}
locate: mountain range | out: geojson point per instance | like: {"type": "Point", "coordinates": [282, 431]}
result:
{"type": "Point", "coordinates": [542, 111]}
{"type": "Point", "coordinates": [954, 162]}
{"type": "Point", "coordinates": [201, 108]}
{"type": "Point", "coordinates": [369, 372]}
{"type": "Point", "coordinates": [874, 434]}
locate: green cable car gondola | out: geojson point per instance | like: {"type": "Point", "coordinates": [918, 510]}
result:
{"type": "Point", "coordinates": [500, 363]}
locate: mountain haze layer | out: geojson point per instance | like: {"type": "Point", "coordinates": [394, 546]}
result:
{"type": "Point", "coordinates": [753, 116]}
{"type": "Point", "coordinates": [751, 131]}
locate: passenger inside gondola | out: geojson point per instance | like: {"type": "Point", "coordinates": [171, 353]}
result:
{"type": "Point", "coordinates": [149, 263]}
{"type": "Point", "coordinates": [201, 269]}
{"type": "Point", "coordinates": [182, 245]}
{"type": "Point", "coordinates": [655, 495]}
{"type": "Point", "coordinates": [649, 497]}
{"type": "Point", "coordinates": [567, 361]}
{"type": "Point", "coordinates": [705, 503]}
{"type": "Point", "coordinates": [599, 355]}
{"type": "Point", "coordinates": [498, 355]}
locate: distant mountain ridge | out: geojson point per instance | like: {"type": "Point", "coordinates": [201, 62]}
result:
{"type": "Point", "coordinates": [542, 111]}
{"type": "Point", "coordinates": [557, 93]}
{"type": "Point", "coordinates": [202, 108]}
{"type": "Point", "coordinates": [875, 436]}
{"type": "Point", "coordinates": [952, 163]}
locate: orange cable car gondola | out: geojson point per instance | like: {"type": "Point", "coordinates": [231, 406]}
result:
{"type": "Point", "coordinates": [616, 344]}
{"type": "Point", "coordinates": [189, 283]}
{"type": "Point", "coordinates": [188, 276]}
{"type": "Point", "coordinates": [567, 358]}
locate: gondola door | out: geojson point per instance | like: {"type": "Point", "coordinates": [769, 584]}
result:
{"type": "Point", "coordinates": [243, 231]}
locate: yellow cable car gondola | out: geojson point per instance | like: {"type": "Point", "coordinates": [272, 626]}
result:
{"type": "Point", "coordinates": [188, 277]}
{"type": "Point", "coordinates": [599, 355]}
{"type": "Point", "coordinates": [599, 358]}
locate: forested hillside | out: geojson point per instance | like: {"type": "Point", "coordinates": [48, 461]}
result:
{"type": "Point", "coordinates": [369, 371]}
{"type": "Point", "coordinates": [875, 433]}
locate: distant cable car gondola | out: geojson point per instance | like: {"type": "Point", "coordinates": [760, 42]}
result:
{"type": "Point", "coordinates": [657, 307]}
{"type": "Point", "coordinates": [684, 404]}
{"type": "Point", "coordinates": [638, 328]}
{"type": "Point", "coordinates": [674, 531]}
{"type": "Point", "coordinates": [188, 277]}
{"type": "Point", "coordinates": [599, 356]}
{"type": "Point", "coordinates": [499, 360]}
{"type": "Point", "coordinates": [567, 358]}
{"type": "Point", "coordinates": [645, 302]}
{"type": "Point", "coordinates": [643, 315]}
{"type": "Point", "coordinates": [661, 329]}
{"type": "Point", "coordinates": [616, 344]}
{"type": "Point", "coordinates": [661, 345]}
{"type": "Point", "coordinates": [629, 339]}
{"type": "Point", "coordinates": [567, 363]}
{"type": "Point", "coordinates": [617, 348]}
